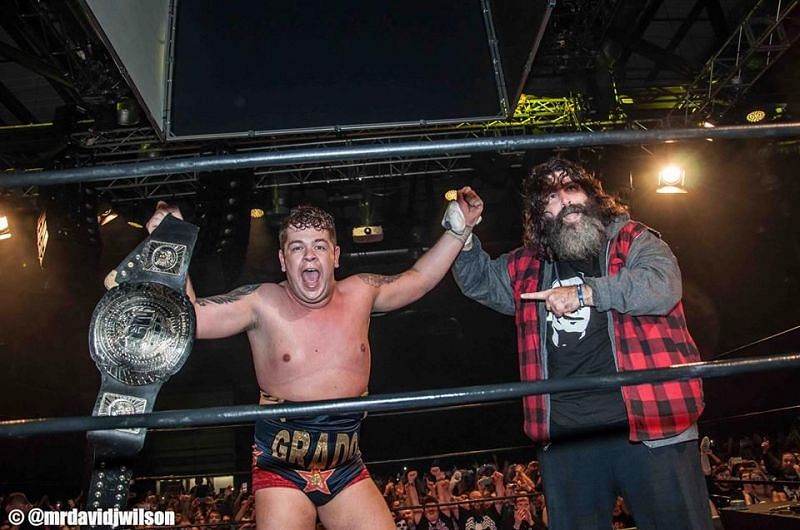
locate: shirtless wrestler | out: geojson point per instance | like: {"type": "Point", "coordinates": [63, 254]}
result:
{"type": "Point", "coordinates": [308, 336]}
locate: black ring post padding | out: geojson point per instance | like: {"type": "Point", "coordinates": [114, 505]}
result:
{"type": "Point", "coordinates": [268, 158]}
{"type": "Point", "coordinates": [188, 418]}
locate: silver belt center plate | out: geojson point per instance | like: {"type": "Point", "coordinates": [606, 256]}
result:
{"type": "Point", "coordinates": [141, 333]}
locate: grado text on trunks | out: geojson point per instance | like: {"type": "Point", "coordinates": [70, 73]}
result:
{"type": "Point", "coordinates": [140, 332]}
{"type": "Point", "coordinates": [314, 450]}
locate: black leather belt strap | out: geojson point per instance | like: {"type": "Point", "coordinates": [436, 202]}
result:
{"type": "Point", "coordinates": [141, 333]}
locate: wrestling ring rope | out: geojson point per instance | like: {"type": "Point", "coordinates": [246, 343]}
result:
{"type": "Point", "coordinates": [418, 400]}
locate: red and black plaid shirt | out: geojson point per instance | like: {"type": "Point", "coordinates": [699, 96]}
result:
{"type": "Point", "coordinates": [655, 411]}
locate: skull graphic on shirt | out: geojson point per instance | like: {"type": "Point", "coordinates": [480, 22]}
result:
{"type": "Point", "coordinates": [575, 322]}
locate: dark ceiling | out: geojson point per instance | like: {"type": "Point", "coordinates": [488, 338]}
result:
{"type": "Point", "coordinates": [602, 65]}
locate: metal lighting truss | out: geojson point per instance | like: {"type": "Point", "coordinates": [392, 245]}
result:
{"type": "Point", "coordinates": [759, 41]}
{"type": "Point", "coordinates": [127, 145]}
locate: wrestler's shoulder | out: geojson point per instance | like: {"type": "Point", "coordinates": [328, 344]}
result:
{"type": "Point", "coordinates": [265, 291]}
{"type": "Point", "coordinates": [368, 279]}
{"type": "Point", "coordinates": [268, 296]}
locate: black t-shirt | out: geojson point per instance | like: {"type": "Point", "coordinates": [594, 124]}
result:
{"type": "Point", "coordinates": [472, 519]}
{"type": "Point", "coordinates": [578, 344]}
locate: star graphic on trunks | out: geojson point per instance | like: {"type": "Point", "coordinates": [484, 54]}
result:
{"type": "Point", "coordinates": [316, 480]}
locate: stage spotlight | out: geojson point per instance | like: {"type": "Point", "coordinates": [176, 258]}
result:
{"type": "Point", "coordinates": [256, 213]}
{"type": "Point", "coordinates": [671, 179]}
{"type": "Point", "coordinates": [5, 229]}
{"type": "Point", "coordinates": [367, 234]}
{"type": "Point", "coordinates": [367, 231]}
{"type": "Point", "coordinates": [756, 115]}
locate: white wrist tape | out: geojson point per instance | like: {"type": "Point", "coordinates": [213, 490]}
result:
{"type": "Point", "coordinates": [454, 222]}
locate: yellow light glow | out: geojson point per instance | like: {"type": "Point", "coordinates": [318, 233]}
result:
{"type": "Point", "coordinates": [671, 179]}
{"type": "Point", "coordinates": [256, 213]}
{"type": "Point", "coordinates": [5, 230]}
{"type": "Point", "coordinates": [756, 116]}
{"type": "Point", "coordinates": [671, 190]}
{"type": "Point", "coordinates": [670, 176]}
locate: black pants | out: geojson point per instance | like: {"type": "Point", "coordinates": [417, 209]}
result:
{"type": "Point", "coordinates": [664, 487]}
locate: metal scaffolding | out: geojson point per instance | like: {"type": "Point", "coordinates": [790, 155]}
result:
{"type": "Point", "coordinates": [140, 145]}
{"type": "Point", "coordinates": [759, 41]}
{"type": "Point", "coordinates": [390, 152]}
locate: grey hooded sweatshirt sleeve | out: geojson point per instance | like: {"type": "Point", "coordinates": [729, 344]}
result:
{"type": "Point", "coordinates": [648, 284]}
{"type": "Point", "coordinates": [483, 279]}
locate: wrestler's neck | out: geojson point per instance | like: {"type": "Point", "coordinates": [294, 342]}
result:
{"type": "Point", "coordinates": [308, 302]}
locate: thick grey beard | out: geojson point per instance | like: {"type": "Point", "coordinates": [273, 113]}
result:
{"type": "Point", "coordinates": [579, 241]}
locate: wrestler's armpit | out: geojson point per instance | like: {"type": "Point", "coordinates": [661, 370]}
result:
{"type": "Point", "coordinates": [376, 280]}
{"type": "Point", "coordinates": [230, 297]}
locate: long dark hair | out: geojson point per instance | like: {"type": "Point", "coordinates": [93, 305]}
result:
{"type": "Point", "coordinates": [541, 181]}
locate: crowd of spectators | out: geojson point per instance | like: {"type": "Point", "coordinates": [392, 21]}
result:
{"type": "Point", "coordinates": [742, 471]}
{"type": "Point", "coordinates": [752, 469]}
{"type": "Point", "coordinates": [200, 508]}
{"type": "Point", "coordinates": [490, 496]}
{"type": "Point", "coordinates": [487, 496]}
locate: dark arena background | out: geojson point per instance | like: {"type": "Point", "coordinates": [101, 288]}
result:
{"type": "Point", "coordinates": [90, 85]}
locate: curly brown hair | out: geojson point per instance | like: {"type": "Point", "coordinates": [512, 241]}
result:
{"type": "Point", "coordinates": [541, 181]}
{"type": "Point", "coordinates": [304, 217]}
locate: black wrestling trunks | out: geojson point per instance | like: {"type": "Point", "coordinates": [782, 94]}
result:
{"type": "Point", "coordinates": [318, 456]}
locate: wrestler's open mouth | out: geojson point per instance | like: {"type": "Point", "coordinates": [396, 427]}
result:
{"type": "Point", "coordinates": [572, 217]}
{"type": "Point", "coordinates": [311, 276]}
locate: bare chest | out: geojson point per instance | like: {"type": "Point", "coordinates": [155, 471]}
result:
{"type": "Point", "coordinates": [313, 354]}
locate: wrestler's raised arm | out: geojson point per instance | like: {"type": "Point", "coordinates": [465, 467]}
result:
{"type": "Point", "coordinates": [227, 314]}
{"type": "Point", "coordinates": [221, 315]}
{"type": "Point", "coordinates": [394, 292]}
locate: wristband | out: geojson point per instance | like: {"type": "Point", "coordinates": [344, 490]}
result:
{"type": "Point", "coordinates": [581, 304]}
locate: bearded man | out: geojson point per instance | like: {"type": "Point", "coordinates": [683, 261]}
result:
{"type": "Point", "coordinates": [595, 293]}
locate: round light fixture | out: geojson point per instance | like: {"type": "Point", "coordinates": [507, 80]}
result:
{"type": "Point", "coordinates": [671, 176]}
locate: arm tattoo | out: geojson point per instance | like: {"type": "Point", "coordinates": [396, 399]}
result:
{"type": "Point", "coordinates": [231, 297]}
{"type": "Point", "coordinates": [376, 280]}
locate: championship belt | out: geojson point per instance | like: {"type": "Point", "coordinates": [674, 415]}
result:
{"type": "Point", "coordinates": [141, 333]}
